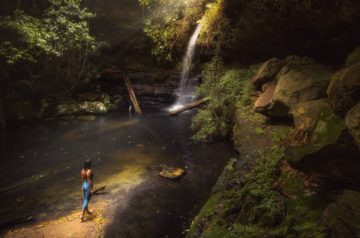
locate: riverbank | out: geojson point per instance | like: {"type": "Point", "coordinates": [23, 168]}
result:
{"type": "Point", "coordinates": [126, 153]}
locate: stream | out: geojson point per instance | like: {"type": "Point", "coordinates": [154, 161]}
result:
{"type": "Point", "coordinates": [40, 170]}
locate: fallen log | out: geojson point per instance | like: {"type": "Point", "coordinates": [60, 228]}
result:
{"type": "Point", "coordinates": [188, 106]}
{"type": "Point", "coordinates": [132, 95]}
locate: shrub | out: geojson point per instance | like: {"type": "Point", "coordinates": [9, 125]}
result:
{"type": "Point", "coordinates": [228, 89]}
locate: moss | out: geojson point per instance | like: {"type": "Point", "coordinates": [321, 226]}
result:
{"type": "Point", "coordinates": [204, 216]}
{"type": "Point", "coordinates": [327, 131]}
{"type": "Point", "coordinates": [259, 131]}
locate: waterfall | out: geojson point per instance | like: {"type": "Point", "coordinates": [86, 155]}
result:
{"type": "Point", "coordinates": [187, 85]}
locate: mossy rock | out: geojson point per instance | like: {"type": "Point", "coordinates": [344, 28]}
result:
{"type": "Point", "coordinates": [79, 108]}
{"type": "Point", "coordinates": [330, 150]}
{"type": "Point", "coordinates": [344, 89]}
{"type": "Point", "coordinates": [352, 121]}
{"type": "Point", "coordinates": [295, 83]}
{"type": "Point", "coordinates": [343, 217]}
{"type": "Point", "coordinates": [306, 114]}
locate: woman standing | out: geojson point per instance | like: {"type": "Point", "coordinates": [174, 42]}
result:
{"type": "Point", "coordinates": [87, 187]}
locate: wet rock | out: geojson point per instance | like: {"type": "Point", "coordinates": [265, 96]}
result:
{"type": "Point", "coordinates": [73, 108]}
{"type": "Point", "coordinates": [267, 72]}
{"type": "Point", "coordinates": [344, 89]}
{"type": "Point", "coordinates": [171, 172]}
{"type": "Point", "coordinates": [352, 121]}
{"type": "Point", "coordinates": [306, 114]}
{"type": "Point", "coordinates": [329, 151]}
{"type": "Point", "coordinates": [343, 217]}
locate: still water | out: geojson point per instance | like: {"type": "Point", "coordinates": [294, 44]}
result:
{"type": "Point", "coordinates": [40, 167]}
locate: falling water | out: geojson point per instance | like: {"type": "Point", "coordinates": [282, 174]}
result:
{"type": "Point", "coordinates": [186, 87]}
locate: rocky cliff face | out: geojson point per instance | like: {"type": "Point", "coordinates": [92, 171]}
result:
{"type": "Point", "coordinates": [291, 180]}
{"type": "Point", "coordinates": [324, 30]}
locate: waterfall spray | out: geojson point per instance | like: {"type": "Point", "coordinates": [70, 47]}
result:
{"type": "Point", "coordinates": [186, 87]}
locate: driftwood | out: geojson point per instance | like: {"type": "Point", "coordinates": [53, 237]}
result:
{"type": "Point", "coordinates": [132, 95]}
{"type": "Point", "coordinates": [188, 106]}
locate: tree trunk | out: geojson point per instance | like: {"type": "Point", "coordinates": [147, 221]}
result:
{"type": "Point", "coordinates": [188, 106]}
{"type": "Point", "coordinates": [132, 95]}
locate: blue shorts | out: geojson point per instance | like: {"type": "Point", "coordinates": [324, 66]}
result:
{"type": "Point", "coordinates": [87, 194]}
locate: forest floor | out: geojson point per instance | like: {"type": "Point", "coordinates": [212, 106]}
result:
{"type": "Point", "coordinates": [69, 225]}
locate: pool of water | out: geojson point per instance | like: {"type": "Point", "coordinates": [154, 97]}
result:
{"type": "Point", "coordinates": [40, 171]}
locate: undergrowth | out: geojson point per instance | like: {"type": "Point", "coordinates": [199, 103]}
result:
{"type": "Point", "coordinates": [228, 89]}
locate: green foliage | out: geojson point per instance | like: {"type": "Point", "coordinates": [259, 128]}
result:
{"type": "Point", "coordinates": [228, 89]}
{"type": "Point", "coordinates": [56, 46]}
{"type": "Point", "coordinates": [213, 24]}
{"type": "Point", "coordinates": [170, 23]}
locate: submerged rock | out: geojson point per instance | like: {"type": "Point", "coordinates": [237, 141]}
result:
{"type": "Point", "coordinates": [171, 172]}
{"type": "Point", "coordinates": [343, 217]}
{"type": "Point", "coordinates": [344, 89]}
{"type": "Point", "coordinates": [352, 121]}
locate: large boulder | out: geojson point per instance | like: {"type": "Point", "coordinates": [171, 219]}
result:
{"type": "Point", "coordinates": [344, 89]}
{"type": "Point", "coordinates": [299, 83]}
{"type": "Point", "coordinates": [329, 151]}
{"type": "Point", "coordinates": [352, 121]}
{"type": "Point", "coordinates": [343, 217]}
{"type": "Point", "coordinates": [296, 82]}
{"type": "Point", "coordinates": [267, 72]}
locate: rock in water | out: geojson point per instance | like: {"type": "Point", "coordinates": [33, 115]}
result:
{"type": "Point", "coordinates": [352, 121]}
{"type": "Point", "coordinates": [171, 173]}
{"type": "Point", "coordinates": [344, 89]}
{"type": "Point", "coordinates": [343, 216]}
